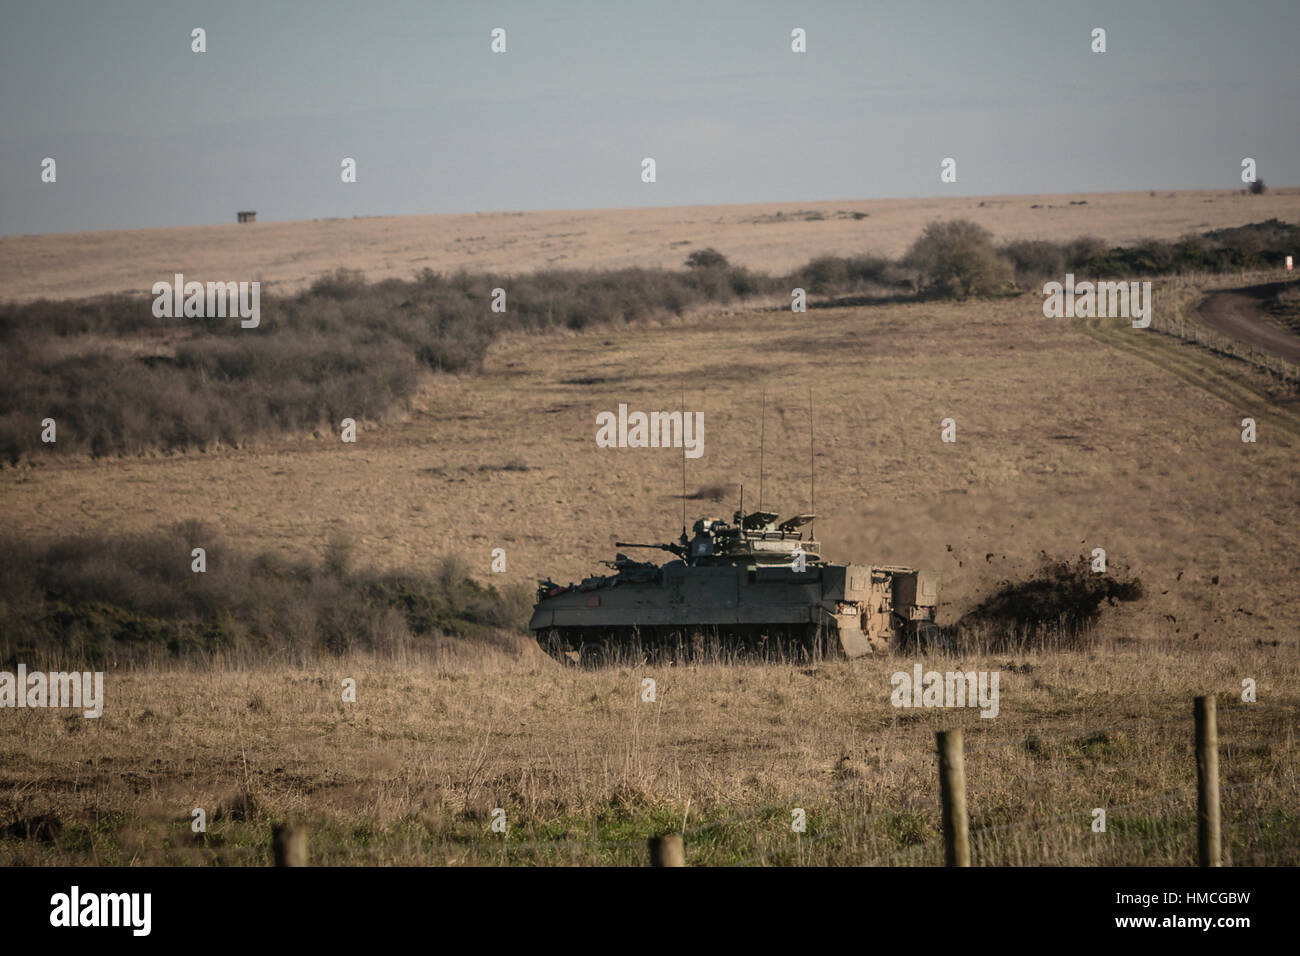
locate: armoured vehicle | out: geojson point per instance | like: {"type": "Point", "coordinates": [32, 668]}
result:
{"type": "Point", "coordinates": [753, 585]}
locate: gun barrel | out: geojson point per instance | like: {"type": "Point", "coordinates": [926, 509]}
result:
{"type": "Point", "coordinates": [629, 544]}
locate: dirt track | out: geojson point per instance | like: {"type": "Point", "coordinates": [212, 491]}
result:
{"type": "Point", "coordinates": [1235, 312]}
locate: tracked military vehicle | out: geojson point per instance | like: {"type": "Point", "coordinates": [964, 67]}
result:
{"type": "Point", "coordinates": [752, 585]}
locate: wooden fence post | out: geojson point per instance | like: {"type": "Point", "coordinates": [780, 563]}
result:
{"type": "Point", "coordinates": [1209, 846]}
{"type": "Point", "coordinates": [952, 787]}
{"type": "Point", "coordinates": [289, 843]}
{"type": "Point", "coordinates": [668, 850]}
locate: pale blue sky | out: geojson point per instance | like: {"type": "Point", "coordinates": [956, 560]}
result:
{"type": "Point", "coordinates": [147, 133]}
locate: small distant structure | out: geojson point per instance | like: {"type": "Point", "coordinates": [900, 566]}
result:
{"type": "Point", "coordinates": [247, 215]}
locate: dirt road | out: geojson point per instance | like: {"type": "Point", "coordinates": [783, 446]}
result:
{"type": "Point", "coordinates": [1236, 312]}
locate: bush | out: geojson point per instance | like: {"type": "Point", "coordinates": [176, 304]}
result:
{"type": "Point", "coordinates": [1034, 260]}
{"type": "Point", "coordinates": [343, 348]}
{"type": "Point", "coordinates": [339, 284]}
{"type": "Point", "coordinates": [826, 275]}
{"type": "Point", "coordinates": [1085, 254]}
{"type": "Point", "coordinates": [706, 259]}
{"type": "Point", "coordinates": [104, 598]}
{"type": "Point", "coordinates": [957, 258]}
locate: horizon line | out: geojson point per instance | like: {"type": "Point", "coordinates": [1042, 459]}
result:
{"type": "Point", "coordinates": [607, 209]}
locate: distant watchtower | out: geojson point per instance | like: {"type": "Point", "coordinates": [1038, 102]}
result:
{"type": "Point", "coordinates": [247, 216]}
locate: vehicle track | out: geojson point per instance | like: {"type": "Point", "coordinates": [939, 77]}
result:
{"type": "Point", "coordinates": [1236, 314]}
{"type": "Point", "coordinates": [1197, 367]}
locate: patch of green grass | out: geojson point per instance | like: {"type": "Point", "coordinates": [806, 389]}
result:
{"type": "Point", "coordinates": [909, 828]}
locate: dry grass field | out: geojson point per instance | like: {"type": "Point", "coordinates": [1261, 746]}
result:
{"type": "Point", "coordinates": [772, 237]}
{"type": "Point", "coordinates": [1064, 443]}
{"type": "Point", "coordinates": [1070, 436]}
{"type": "Point", "coordinates": [585, 770]}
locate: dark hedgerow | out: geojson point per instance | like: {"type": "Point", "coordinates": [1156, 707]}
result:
{"type": "Point", "coordinates": [117, 380]}
{"type": "Point", "coordinates": [837, 275]}
{"type": "Point", "coordinates": [1035, 260]}
{"type": "Point", "coordinates": [118, 598]}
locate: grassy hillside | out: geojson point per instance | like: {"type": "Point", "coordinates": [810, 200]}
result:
{"type": "Point", "coordinates": [117, 380]}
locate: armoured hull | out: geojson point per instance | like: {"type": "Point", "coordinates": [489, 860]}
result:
{"type": "Point", "coordinates": [753, 586]}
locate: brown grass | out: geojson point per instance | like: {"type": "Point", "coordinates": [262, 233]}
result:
{"type": "Point", "coordinates": [1064, 444]}
{"type": "Point", "coordinates": [585, 770]}
{"type": "Point", "coordinates": [1070, 436]}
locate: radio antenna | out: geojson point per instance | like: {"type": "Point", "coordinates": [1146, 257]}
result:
{"type": "Point", "coordinates": [812, 468]}
{"type": "Point", "coordinates": [762, 431]}
{"type": "Point", "coordinates": [683, 461]}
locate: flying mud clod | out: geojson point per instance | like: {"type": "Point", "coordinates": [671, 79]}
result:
{"type": "Point", "coordinates": [1060, 603]}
